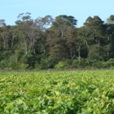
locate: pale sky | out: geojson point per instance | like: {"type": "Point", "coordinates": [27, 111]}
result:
{"type": "Point", "coordinates": [80, 9]}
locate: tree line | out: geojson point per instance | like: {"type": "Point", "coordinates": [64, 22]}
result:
{"type": "Point", "coordinates": [46, 42]}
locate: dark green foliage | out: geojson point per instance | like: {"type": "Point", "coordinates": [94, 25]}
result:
{"type": "Point", "coordinates": [44, 43]}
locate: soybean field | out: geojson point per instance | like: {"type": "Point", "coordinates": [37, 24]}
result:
{"type": "Point", "coordinates": [57, 92]}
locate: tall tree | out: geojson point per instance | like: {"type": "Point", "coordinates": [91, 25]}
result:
{"type": "Point", "coordinates": [62, 37]}
{"type": "Point", "coordinates": [110, 35]}
{"type": "Point", "coordinates": [2, 23]}
{"type": "Point", "coordinates": [96, 33]}
{"type": "Point", "coordinates": [95, 28]}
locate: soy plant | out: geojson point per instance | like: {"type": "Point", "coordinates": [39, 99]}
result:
{"type": "Point", "coordinates": [56, 92]}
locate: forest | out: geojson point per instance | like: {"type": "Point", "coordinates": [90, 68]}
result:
{"type": "Point", "coordinates": [56, 43]}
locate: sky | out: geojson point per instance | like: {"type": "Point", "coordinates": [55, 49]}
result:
{"type": "Point", "coordinates": [80, 9]}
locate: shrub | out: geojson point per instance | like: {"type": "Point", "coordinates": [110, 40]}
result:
{"type": "Point", "coordinates": [62, 64]}
{"type": "Point", "coordinates": [77, 64]}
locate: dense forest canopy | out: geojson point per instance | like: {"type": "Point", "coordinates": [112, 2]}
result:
{"type": "Point", "coordinates": [46, 42]}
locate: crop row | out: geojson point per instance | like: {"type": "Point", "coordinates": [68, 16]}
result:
{"type": "Point", "coordinates": [57, 92]}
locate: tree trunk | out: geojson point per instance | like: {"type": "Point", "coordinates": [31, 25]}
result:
{"type": "Point", "coordinates": [79, 57]}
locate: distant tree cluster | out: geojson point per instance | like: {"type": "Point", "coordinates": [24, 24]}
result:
{"type": "Point", "coordinates": [46, 43]}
